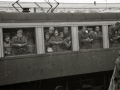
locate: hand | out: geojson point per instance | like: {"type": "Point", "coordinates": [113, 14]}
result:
{"type": "Point", "coordinates": [19, 45]}
{"type": "Point", "coordinates": [118, 36]}
{"type": "Point", "coordinates": [56, 42]}
{"type": "Point", "coordinates": [91, 39]}
{"type": "Point", "coordinates": [111, 39]}
{"type": "Point", "coordinates": [69, 42]}
{"type": "Point", "coordinates": [87, 39]}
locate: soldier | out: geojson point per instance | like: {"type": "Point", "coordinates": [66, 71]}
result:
{"type": "Point", "coordinates": [111, 31]}
{"type": "Point", "coordinates": [67, 43]}
{"type": "Point", "coordinates": [19, 43]}
{"type": "Point", "coordinates": [91, 36]}
{"type": "Point", "coordinates": [31, 44]}
{"type": "Point", "coordinates": [115, 40]}
{"type": "Point", "coordinates": [65, 32]}
{"type": "Point", "coordinates": [115, 80]}
{"type": "Point", "coordinates": [97, 38]}
{"type": "Point", "coordinates": [7, 46]}
{"type": "Point", "coordinates": [51, 31]}
{"type": "Point", "coordinates": [48, 48]}
{"type": "Point", "coordinates": [84, 38]}
{"type": "Point", "coordinates": [61, 35]}
{"type": "Point", "coordinates": [56, 41]}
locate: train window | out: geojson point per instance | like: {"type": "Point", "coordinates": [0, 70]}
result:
{"type": "Point", "coordinates": [90, 37]}
{"type": "Point", "coordinates": [18, 41]}
{"type": "Point", "coordinates": [114, 35]}
{"type": "Point", "coordinates": [57, 39]}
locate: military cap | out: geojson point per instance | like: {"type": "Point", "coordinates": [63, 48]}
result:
{"type": "Point", "coordinates": [51, 28]}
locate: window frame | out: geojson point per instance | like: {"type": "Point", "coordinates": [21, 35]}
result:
{"type": "Point", "coordinates": [1, 44]}
{"type": "Point", "coordinates": [40, 46]}
{"type": "Point", "coordinates": [18, 55]}
{"type": "Point", "coordinates": [73, 25]}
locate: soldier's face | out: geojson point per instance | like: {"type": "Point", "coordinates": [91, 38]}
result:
{"type": "Point", "coordinates": [47, 37]}
{"type": "Point", "coordinates": [7, 39]}
{"type": "Point", "coordinates": [84, 29]}
{"type": "Point", "coordinates": [19, 34]}
{"type": "Point", "coordinates": [51, 31]}
{"type": "Point", "coordinates": [119, 31]}
{"type": "Point", "coordinates": [97, 29]}
{"type": "Point", "coordinates": [61, 35]}
{"type": "Point", "coordinates": [68, 38]}
{"type": "Point", "coordinates": [65, 30]}
{"type": "Point", "coordinates": [56, 33]}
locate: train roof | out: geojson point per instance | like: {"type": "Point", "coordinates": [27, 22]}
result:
{"type": "Point", "coordinates": [57, 17]}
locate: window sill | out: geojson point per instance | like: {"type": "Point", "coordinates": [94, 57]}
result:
{"type": "Point", "coordinates": [58, 53]}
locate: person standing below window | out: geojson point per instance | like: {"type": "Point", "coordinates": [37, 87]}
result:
{"type": "Point", "coordinates": [97, 38]}
{"type": "Point", "coordinates": [115, 80]}
{"type": "Point", "coordinates": [56, 41]}
{"type": "Point", "coordinates": [117, 73]}
{"type": "Point", "coordinates": [19, 43]}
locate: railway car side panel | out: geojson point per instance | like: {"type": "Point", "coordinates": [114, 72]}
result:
{"type": "Point", "coordinates": [16, 70]}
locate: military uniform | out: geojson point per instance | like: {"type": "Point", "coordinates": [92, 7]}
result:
{"type": "Point", "coordinates": [47, 45]}
{"type": "Point", "coordinates": [7, 48]}
{"type": "Point", "coordinates": [97, 42]}
{"type": "Point", "coordinates": [16, 50]}
{"type": "Point", "coordinates": [91, 37]}
{"type": "Point", "coordinates": [65, 35]}
{"type": "Point", "coordinates": [115, 40]}
{"type": "Point", "coordinates": [110, 34]}
{"type": "Point", "coordinates": [66, 44]}
{"type": "Point", "coordinates": [83, 36]}
{"type": "Point", "coordinates": [55, 42]}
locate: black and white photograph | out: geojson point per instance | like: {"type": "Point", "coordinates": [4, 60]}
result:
{"type": "Point", "coordinates": [59, 44]}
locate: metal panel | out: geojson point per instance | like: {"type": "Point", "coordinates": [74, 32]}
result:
{"type": "Point", "coordinates": [78, 17]}
{"type": "Point", "coordinates": [70, 17]}
{"type": "Point", "coordinates": [57, 17]}
{"type": "Point", "coordinates": [118, 15]}
{"type": "Point", "coordinates": [13, 16]}
{"type": "Point", "coordinates": [36, 16]}
{"type": "Point", "coordinates": [109, 16]}
{"type": "Point", "coordinates": [92, 16]}
{"type": "Point", "coordinates": [0, 17]}
{"type": "Point", "coordinates": [25, 69]}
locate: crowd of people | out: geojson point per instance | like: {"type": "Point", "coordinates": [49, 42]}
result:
{"type": "Point", "coordinates": [57, 41]}
{"type": "Point", "coordinates": [89, 38]}
{"type": "Point", "coordinates": [60, 40]}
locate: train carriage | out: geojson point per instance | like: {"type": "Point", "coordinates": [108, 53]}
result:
{"type": "Point", "coordinates": [39, 64]}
